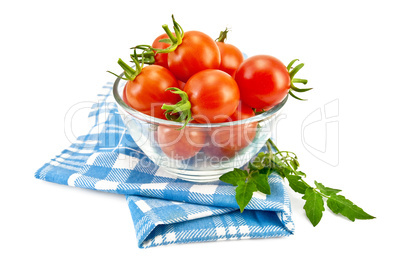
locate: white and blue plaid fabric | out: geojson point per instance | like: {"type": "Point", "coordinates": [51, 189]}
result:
{"type": "Point", "coordinates": [164, 209]}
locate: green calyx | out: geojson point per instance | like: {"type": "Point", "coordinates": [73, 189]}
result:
{"type": "Point", "coordinates": [129, 72]}
{"type": "Point", "coordinates": [292, 72]}
{"type": "Point", "coordinates": [181, 111]}
{"type": "Point", "coordinates": [147, 55]}
{"type": "Point", "coordinates": [174, 40]}
{"type": "Point", "coordinates": [222, 36]}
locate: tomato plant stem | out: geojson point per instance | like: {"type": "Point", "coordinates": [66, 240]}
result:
{"type": "Point", "coordinates": [222, 36]}
{"type": "Point", "coordinates": [169, 33]}
{"type": "Point", "coordinates": [129, 72]}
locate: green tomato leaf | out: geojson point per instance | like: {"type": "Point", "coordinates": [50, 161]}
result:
{"type": "Point", "coordinates": [266, 170]}
{"type": "Point", "coordinates": [314, 206]}
{"type": "Point", "coordinates": [244, 193]}
{"type": "Point", "coordinates": [339, 204]}
{"type": "Point", "coordinates": [261, 180]}
{"type": "Point", "coordinates": [276, 160]}
{"type": "Point", "coordinates": [284, 172]}
{"type": "Point", "coordinates": [300, 173]}
{"type": "Point", "coordinates": [295, 164]}
{"type": "Point", "coordinates": [253, 167]}
{"type": "Point", "coordinates": [326, 190]}
{"type": "Point", "coordinates": [234, 176]}
{"type": "Point", "coordinates": [258, 162]}
{"type": "Point", "coordinates": [296, 184]}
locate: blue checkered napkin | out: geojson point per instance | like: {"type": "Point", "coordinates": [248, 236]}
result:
{"type": "Point", "coordinates": [164, 209]}
{"type": "Point", "coordinates": [161, 222]}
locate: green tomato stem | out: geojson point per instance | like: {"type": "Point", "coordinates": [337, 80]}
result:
{"type": "Point", "coordinates": [222, 36]}
{"type": "Point", "coordinates": [270, 144]}
{"type": "Point", "coordinates": [129, 72]}
{"type": "Point", "coordinates": [169, 33]}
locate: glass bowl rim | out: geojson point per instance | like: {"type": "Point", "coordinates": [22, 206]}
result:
{"type": "Point", "coordinates": [139, 115]}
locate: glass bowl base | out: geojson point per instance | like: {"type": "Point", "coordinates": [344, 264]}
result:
{"type": "Point", "coordinates": [197, 176]}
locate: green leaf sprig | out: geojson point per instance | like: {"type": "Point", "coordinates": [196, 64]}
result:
{"type": "Point", "coordinates": [286, 164]}
{"type": "Point", "coordinates": [247, 183]}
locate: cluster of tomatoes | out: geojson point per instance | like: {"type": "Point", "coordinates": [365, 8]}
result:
{"type": "Point", "coordinates": [191, 77]}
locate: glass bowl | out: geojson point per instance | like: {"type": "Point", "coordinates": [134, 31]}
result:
{"type": "Point", "coordinates": [199, 152]}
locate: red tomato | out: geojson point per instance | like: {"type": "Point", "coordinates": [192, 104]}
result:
{"type": "Point", "coordinates": [161, 58]}
{"type": "Point", "coordinates": [124, 95]}
{"type": "Point", "coordinates": [197, 52]}
{"type": "Point", "coordinates": [180, 144]}
{"type": "Point", "coordinates": [213, 151]}
{"type": "Point", "coordinates": [181, 84]}
{"type": "Point", "coordinates": [231, 58]}
{"type": "Point", "coordinates": [263, 81]}
{"type": "Point", "coordinates": [226, 141]}
{"type": "Point", "coordinates": [146, 93]}
{"type": "Point", "coordinates": [242, 112]}
{"type": "Point", "coordinates": [213, 95]}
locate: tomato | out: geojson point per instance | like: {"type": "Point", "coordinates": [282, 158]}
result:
{"type": "Point", "coordinates": [231, 58]}
{"type": "Point", "coordinates": [197, 52]}
{"type": "Point", "coordinates": [146, 93]}
{"type": "Point", "coordinates": [213, 94]}
{"type": "Point", "coordinates": [214, 151]}
{"type": "Point", "coordinates": [242, 112]}
{"type": "Point", "coordinates": [227, 140]}
{"type": "Point", "coordinates": [181, 84]}
{"type": "Point", "coordinates": [125, 95]}
{"type": "Point", "coordinates": [180, 144]}
{"type": "Point", "coordinates": [161, 58]}
{"type": "Point", "coordinates": [263, 81]}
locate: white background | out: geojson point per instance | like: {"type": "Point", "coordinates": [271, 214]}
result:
{"type": "Point", "coordinates": [54, 55]}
